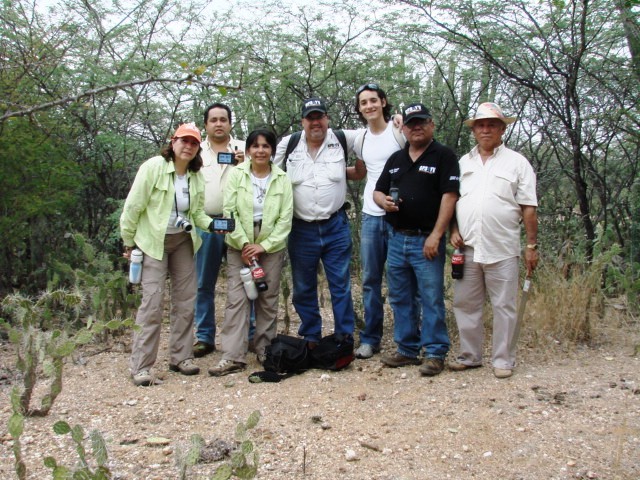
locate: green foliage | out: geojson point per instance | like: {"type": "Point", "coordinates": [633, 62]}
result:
{"type": "Point", "coordinates": [83, 470]}
{"type": "Point", "coordinates": [244, 461]}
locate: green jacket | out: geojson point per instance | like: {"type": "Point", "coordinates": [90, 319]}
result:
{"type": "Point", "coordinates": [148, 206]}
{"type": "Point", "coordinates": [277, 214]}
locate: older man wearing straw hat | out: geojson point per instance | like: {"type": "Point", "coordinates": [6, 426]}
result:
{"type": "Point", "coordinates": [497, 191]}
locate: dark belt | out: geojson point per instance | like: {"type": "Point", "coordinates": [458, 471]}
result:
{"type": "Point", "coordinates": [257, 224]}
{"type": "Point", "coordinates": [411, 232]}
{"type": "Point", "coordinates": [218, 215]}
{"type": "Point", "coordinates": [320, 222]}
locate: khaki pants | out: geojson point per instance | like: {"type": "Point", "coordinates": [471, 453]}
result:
{"type": "Point", "coordinates": [500, 280]}
{"type": "Point", "coordinates": [179, 263]}
{"type": "Point", "coordinates": [235, 328]}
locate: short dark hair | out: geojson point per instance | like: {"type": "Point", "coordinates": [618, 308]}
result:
{"type": "Point", "coordinates": [386, 110]}
{"type": "Point", "coordinates": [268, 135]}
{"type": "Point", "coordinates": [216, 105]}
{"type": "Point", "coordinates": [169, 155]}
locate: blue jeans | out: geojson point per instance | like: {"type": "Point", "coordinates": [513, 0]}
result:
{"type": "Point", "coordinates": [329, 242]}
{"type": "Point", "coordinates": [374, 235]}
{"type": "Point", "coordinates": [410, 273]}
{"type": "Point", "coordinates": [208, 261]}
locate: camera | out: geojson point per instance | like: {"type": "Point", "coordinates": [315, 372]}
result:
{"type": "Point", "coordinates": [226, 158]}
{"type": "Point", "coordinates": [224, 224]}
{"type": "Point", "coordinates": [394, 193]}
{"type": "Point", "coordinates": [183, 224]}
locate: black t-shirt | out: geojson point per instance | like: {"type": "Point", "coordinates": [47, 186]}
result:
{"type": "Point", "coordinates": [421, 185]}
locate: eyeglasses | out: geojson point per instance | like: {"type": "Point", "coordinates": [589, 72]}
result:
{"type": "Point", "coordinates": [313, 116]}
{"type": "Point", "coordinates": [367, 86]}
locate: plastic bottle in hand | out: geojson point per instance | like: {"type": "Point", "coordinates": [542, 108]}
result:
{"type": "Point", "coordinates": [135, 269]}
{"type": "Point", "coordinates": [248, 283]}
{"type": "Point", "coordinates": [457, 264]}
{"type": "Point", "coordinates": [258, 275]}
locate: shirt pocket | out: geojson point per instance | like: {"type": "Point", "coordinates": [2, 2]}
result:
{"type": "Point", "coordinates": [505, 184]}
{"type": "Point", "coordinates": [332, 170]}
{"type": "Point", "coordinates": [467, 182]}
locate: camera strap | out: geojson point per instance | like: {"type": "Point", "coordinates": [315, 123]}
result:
{"type": "Point", "coordinates": [175, 195]}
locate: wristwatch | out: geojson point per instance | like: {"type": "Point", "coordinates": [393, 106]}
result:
{"type": "Point", "coordinates": [532, 246]}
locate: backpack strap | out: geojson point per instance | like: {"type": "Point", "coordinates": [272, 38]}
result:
{"type": "Point", "coordinates": [359, 143]}
{"type": "Point", "coordinates": [397, 134]}
{"type": "Point", "coordinates": [342, 138]}
{"type": "Point", "coordinates": [294, 140]}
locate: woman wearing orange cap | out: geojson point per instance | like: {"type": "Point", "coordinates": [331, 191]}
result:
{"type": "Point", "coordinates": [165, 202]}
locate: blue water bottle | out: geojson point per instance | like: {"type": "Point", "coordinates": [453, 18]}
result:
{"type": "Point", "coordinates": [135, 269]}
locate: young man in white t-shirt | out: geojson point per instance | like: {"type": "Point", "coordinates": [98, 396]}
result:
{"type": "Point", "coordinates": [373, 147]}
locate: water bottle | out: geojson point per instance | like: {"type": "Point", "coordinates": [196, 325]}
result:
{"type": "Point", "coordinates": [247, 281]}
{"type": "Point", "coordinates": [457, 264]}
{"type": "Point", "coordinates": [258, 275]}
{"type": "Point", "coordinates": [135, 269]}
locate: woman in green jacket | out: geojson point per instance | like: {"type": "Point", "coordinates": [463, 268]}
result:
{"type": "Point", "coordinates": [165, 200]}
{"type": "Point", "coordinates": [259, 196]}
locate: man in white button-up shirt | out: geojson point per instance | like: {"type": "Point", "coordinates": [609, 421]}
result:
{"type": "Point", "coordinates": [497, 190]}
{"type": "Point", "coordinates": [320, 230]}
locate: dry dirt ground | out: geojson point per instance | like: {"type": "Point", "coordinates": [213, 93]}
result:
{"type": "Point", "coordinates": [564, 414]}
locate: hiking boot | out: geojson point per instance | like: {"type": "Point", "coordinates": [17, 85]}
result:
{"type": "Point", "coordinates": [142, 379]}
{"type": "Point", "coordinates": [200, 349]}
{"type": "Point", "coordinates": [460, 367]}
{"type": "Point", "coordinates": [432, 366]}
{"type": "Point", "coordinates": [185, 367]}
{"type": "Point", "coordinates": [398, 360]}
{"type": "Point", "coordinates": [366, 351]}
{"type": "Point", "coordinates": [502, 372]}
{"type": "Point", "coordinates": [225, 367]}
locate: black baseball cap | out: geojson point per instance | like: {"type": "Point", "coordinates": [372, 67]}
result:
{"type": "Point", "coordinates": [413, 111]}
{"type": "Point", "coordinates": [313, 104]}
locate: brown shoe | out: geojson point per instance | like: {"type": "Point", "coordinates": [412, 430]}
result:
{"type": "Point", "coordinates": [460, 367]}
{"type": "Point", "coordinates": [200, 349]}
{"type": "Point", "coordinates": [432, 366]}
{"type": "Point", "coordinates": [185, 367]}
{"type": "Point", "coordinates": [397, 360]}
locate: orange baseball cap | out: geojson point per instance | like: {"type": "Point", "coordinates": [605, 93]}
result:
{"type": "Point", "coordinates": [188, 130]}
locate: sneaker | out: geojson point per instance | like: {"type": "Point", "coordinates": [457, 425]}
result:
{"type": "Point", "coordinates": [366, 351]}
{"type": "Point", "coordinates": [398, 360]}
{"type": "Point", "coordinates": [185, 367]}
{"type": "Point", "coordinates": [459, 367]}
{"type": "Point", "coordinates": [142, 379]}
{"type": "Point", "coordinates": [200, 349]}
{"type": "Point", "coordinates": [502, 372]}
{"type": "Point", "coordinates": [225, 367]}
{"type": "Point", "coordinates": [432, 366]}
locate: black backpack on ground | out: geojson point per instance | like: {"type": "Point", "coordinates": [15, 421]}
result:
{"type": "Point", "coordinates": [333, 352]}
{"type": "Point", "coordinates": [287, 355]}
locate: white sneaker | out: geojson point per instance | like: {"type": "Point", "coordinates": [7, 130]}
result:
{"type": "Point", "coordinates": [366, 351]}
{"type": "Point", "coordinates": [142, 379]}
{"type": "Point", "coordinates": [225, 367]}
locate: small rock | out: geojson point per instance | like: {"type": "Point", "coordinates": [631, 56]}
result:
{"type": "Point", "coordinates": [325, 426]}
{"type": "Point", "coordinates": [351, 455]}
{"type": "Point", "coordinates": [131, 403]}
{"type": "Point", "coordinates": [387, 451]}
{"type": "Point", "coordinates": [487, 454]}
{"type": "Point", "coordinates": [403, 376]}
{"type": "Point", "coordinates": [592, 474]}
{"type": "Point", "coordinates": [465, 448]}
{"type": "Point", "coordinates": [362, 397]}
{"type": "Point", "coordinates": [325, 377]}
{"type": "Point", "coordinates": [167, 450]}
{"type": "Point", "coordinates": [571, 463]}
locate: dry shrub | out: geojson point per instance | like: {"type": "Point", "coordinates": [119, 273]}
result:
{"type": "Point", "coordinates": [565, 310]}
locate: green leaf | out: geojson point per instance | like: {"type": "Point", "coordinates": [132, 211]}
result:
{"type": "Point", "coordinates": [77, 433]}
{"type": "Point", "coordinates": [48, 368]}
{"type": "Point", "coordinates": [114, 324]}
{"type": "Point", "coordinates": [65, 349]}
{"type": "Point", "coordinates": [50, 462]}
{"type": "Point", "coordinates": [16, 425]}
{"type": "Point", "coordinates": [222, 90]}
{"type": "Point", "coordinates": [238, 459]}
{"type": "Point", "coordinates": [253, 419]}
{"type": "Point", "coordinates": [99, 447]}
{"type": "Point", "coordinates": [83, 337]}
{"type": "Point", "coordinates": [246, 472]}
{"type": "Point", "coordinates": [61, 473]}
{"type": "Point", "coordinates": [61, 427]}
{"type": "Point", "coordinates": [247, 447]}
{"type": "Point", "coordinates": [223, 472]}
{"type": "Point", "coordinates": [241, 431]}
